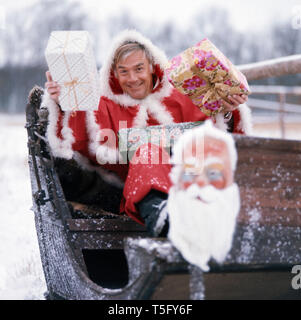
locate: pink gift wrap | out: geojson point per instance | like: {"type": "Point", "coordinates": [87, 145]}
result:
{"type": "Point", "coordinates": [206, 76]}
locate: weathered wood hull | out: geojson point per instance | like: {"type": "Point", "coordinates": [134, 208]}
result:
{"type": "Point", "coordinates": [131, 266]}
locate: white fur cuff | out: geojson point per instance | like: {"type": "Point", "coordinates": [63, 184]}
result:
{"type": "Point", "coordinates": [61, 148]}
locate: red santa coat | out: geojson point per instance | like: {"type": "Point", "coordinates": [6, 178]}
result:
{"type": "Point", "coordinates": [91, 137]}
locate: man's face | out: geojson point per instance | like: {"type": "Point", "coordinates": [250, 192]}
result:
{"type": "Point", "coordinates": [206, 162]}
{"type": "Point", "coordinates": [134, 76]}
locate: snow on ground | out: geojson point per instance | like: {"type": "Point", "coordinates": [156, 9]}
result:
{"type": "Point", "coordinates": [21, 275]}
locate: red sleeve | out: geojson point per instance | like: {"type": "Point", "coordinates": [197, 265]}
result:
{"type": "Point", "coordinates": [237, 127]}
{"type": "Point", "coordinates": [77, 122]}
{"type": "Point", "coordinates": [104, 119]}
{"type": "Point", "coordinates": [182, 108]}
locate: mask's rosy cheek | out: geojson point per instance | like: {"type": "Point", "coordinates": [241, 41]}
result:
{"type": "Point", "coordinates": [219, 184]}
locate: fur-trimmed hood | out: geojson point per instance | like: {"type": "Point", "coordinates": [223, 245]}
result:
{"type": "Point", "coordinates": [109, 85]}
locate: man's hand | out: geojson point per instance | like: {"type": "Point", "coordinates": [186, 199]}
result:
{"type": "Point", "coordinates": [235, 100]}
{"type": "Point", "coordinates": [53, 88]}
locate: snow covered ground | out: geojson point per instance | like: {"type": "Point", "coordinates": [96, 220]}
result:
{"type": "Point", "coordinates": [21, 275]}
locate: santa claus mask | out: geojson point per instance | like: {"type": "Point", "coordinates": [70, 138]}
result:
{"type": "Point", "coordinates": [204, 202]}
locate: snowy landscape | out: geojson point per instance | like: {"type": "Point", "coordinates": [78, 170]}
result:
{"type": "Point", "coordinates": [273, 34]}
{"type": "Point", "coordinates": [21, 274]}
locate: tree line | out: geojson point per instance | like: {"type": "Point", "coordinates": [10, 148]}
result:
{"type": "Point", "coordinates": [25, 38]}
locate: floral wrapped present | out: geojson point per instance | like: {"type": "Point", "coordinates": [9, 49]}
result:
{"type": "Point", "coordinates": [130, 139]}
{"type": "Point", "coordinates": [71, 62]}
{"type": "Point", "coordinates": [206, 76]}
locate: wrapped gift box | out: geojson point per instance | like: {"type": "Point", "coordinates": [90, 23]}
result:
{"type": "Point", "coordinates": [131, 139]}
{"type": "Point", "coordinates": [206, 76]}
{"type": "Point", "coordinates": [71, 62]}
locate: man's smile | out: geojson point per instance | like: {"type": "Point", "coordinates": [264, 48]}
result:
{"type": "Point", "coordinates": [137, 86]}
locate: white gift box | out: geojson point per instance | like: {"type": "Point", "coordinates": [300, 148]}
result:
{"type": "Point", "coordinates": [71, 63]}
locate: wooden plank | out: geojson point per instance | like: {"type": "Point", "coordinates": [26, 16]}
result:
{"type": "Point", "coordinates": [264, 197]}
{"type": "Point", "coordinates": [172, 287]}
{"type": "Point", "coordinates": [269, 175]}
{"type": "Point", "coordinates": [102, 240]}
{"type": "Point", "coordinates": [255, 285]}
{"type": "Point", "coordinates": [105, 225]}
{"type": "Point", "coordinates": [291, 158]}
{"type": "Point", "coordinates": [292, 146]}
{"type": "Point", "coordinates": [268, 216]}
{"type": "Point", "coordinates": [262, 178]}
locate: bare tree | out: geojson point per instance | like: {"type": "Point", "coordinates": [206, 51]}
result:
{"type": "Point", "coordinates": [25, 41]}
{"type": "Point", "coordinates": [286, 40]}
{"type": "Point", "coordinates": [30, 29]}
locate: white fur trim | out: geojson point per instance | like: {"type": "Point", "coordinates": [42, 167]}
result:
{"type": "Point", "coordinates": [151, 106]}
{"type": "Point", "coordinates": [245, 123]}
{"type": "Point", "coordinates": [159, 112]}
{"type": "Point", "coordinates": [246, 119]}
{"type": "Point", "coordinates": [61, 148]}
{"type": "Point", "coordinates": [220, 123]}
{"type": "Point", "coordinates": [93, 131]}
{"type": "Point", "coordinates": [159, 58]}
{"type": "Point", "coordinates": [140, 120]}
{"type": "Point", "coordinates": [103, 153]}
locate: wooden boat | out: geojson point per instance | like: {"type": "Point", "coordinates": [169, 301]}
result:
{"type": "Point", "coordinates": [89, 251]}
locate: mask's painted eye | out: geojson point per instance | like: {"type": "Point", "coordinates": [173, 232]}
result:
{"type": "Point", "coordinates": [216, 178]}
{"type": "Point", "coordinates": [187, 177]}
{"type": "Point", "coordinates": [214, 174]}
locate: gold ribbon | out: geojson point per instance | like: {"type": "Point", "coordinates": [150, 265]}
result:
{"type": "Point", "coordinates": [71, 88]}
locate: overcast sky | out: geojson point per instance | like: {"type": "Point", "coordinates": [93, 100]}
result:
{"type": "Point", "coordinates": [245, 14]}
{"type": "Point", "coordinates": [255, 14]}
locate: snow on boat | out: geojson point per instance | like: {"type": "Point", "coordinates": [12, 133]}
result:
{"type": "Point", "coordinates": [89, 251]}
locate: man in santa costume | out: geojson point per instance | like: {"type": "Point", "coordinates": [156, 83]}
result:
{"type": "Point", "coordinates": [135, 92]}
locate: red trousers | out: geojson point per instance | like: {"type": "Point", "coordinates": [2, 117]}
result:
{"type": "Point", "coordinates": [148, 169]}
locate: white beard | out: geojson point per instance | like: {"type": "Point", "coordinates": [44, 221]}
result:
{"type": "Point", "coordinates": [203, 230]}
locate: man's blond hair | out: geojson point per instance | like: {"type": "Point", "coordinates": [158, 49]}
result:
{"type": "Point", "coordinates": [127, 48]}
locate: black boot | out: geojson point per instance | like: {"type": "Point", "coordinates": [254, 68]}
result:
{"type": "Point", "coordinates": [153, 209]}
